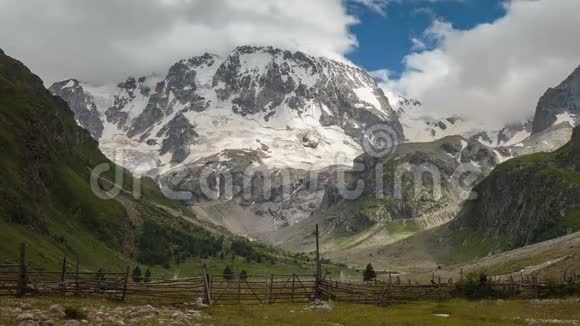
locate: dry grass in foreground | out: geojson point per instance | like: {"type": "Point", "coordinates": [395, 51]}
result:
{"type": "Point", "coordinates": [454, 312]}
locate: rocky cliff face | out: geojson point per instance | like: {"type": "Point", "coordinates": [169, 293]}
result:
{"type": "Point", "coordinates": [559, 104]}
{"type": "Point", "coordinates": [85, 110]}
{"type": "Point", "coordinates": [548, 206]}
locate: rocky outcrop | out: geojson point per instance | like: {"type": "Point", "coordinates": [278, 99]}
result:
{"type": "Point", "coordinates": [417, 181]}
{"type": "Point", "coordinates": [82, 105]}
{"type": "Point", "coordinates": [528, 199]}
{"type": "Point", "coordinates": [559, 104]}
{"type": "Point", "coordinates": [281, 196]}
{"type": "Point", "coordinates": [177, 135]}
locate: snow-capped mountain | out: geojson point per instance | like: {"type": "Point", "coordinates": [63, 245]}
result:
{"type": "Point", "coordinates": [211, 118]}
{"type": "Point", "coordinates": [216, 117]}
{"type": "Point", "coordinates": [294, 109]}
{"type": "Point", "coordinates": [422, 126]}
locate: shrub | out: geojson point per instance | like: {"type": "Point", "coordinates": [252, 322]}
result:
{"type": "Point", "coordinates": [228, 273]}
{"type": "Point", "coordinates": [559, 289]}
{"type": "Point", "coordinates": [478, 286]}
{"type": "Point", "coordinates": [136, 276]}
{"type": "Point", "coordinates": [147, 278]}
{"type": "Point", "coordinates": [75, 313]}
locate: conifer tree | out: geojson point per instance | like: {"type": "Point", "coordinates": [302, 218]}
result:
{"type": "Point", "coordinates": [369, 273]}
{"type": "Point", "coordinates": [137, 275]}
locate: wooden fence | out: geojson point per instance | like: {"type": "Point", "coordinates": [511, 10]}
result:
{"type": "Point", "coordinates": [262, 289]}
{"type": "Point", "coordinates": [8, 279]}
{"type": "Point", "coordinates": [388, 293]}
{"type": "Point", "coordinates": [18, 280]}
{"type": "Point", "coordinates": [166, 291]}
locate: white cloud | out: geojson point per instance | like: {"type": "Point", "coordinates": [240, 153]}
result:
{"type": "Point", "coordinates": [378, 6]}
{"type": "Point", "coordinates": [418, 44]}
{"type": "Point", "coordinates": [109, 39]}
{"type": "Point", "coordinates": [495, 72]}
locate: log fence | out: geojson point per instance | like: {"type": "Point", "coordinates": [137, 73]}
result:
{"type": "Point", "coordinates": [18, 280]}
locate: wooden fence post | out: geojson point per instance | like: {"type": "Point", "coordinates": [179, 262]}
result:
{"type": "Point", "coordinates": [124, 296]}
{"type": "Point", "coordinates": [239, 288]}
{"type": "Point", "coordinates": [439, 286]}
{"type": "Point", "coordinates": [293, 278]}
{"type": "Point", "coordinates": [77, 289]}
{"type": "Point", "coordinates": [271, 288]}
{"type": "Point", "coordinates": [391, 295]}
{"type": "Point", "coordinates": [62, 277]}
{"type": "Point", "coordinates": [512, 286]}
{"type": "Point", "coordinates": [21, 285]}
{"type": "Point", "coordinates": [564, 276]}
{"type": "Point", "coordinates": [318, 270]}
{"type": "Point", "coordinates": [266, 297]}
{"type": "Point", "coordinates": [206, 287]}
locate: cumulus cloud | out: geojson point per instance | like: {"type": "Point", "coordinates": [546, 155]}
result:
{"type": "Point", "coordinates": [109, 39]}
{"type": "Point", "coordinates": [497, 71]}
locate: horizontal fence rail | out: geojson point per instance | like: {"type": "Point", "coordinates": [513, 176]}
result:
{"type": "Point", "coordinates": [18, 280]}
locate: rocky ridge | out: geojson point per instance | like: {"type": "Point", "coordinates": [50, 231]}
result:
{"type": "Point", "coordinates": [559, 104]}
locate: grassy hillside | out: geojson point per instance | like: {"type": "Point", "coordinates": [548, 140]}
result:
{"type": "Point", "coordinates": [354, 230]}
{"type": "Point", "coordinates": [46, 200]}
{"type": "Point", "coordinates": [526, 200]}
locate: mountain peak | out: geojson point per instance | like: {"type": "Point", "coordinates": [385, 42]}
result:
{"type": "Point", "coordinates": [559, 104]}
{"type": "Point", "coordinates": [251, 49]}
{"type": "Point", "coordinates": [253, 93]}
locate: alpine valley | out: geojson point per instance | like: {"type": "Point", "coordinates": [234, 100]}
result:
{"type": "Point", "coordinates": [306, 124]}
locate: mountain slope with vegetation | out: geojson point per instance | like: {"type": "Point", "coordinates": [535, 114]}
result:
{"type": "Point", "coordinates": [528, 199]}
{"type": "Point", "coordinates": [524, 201]}
{"type": "Point", "coordinates": [47, 202]}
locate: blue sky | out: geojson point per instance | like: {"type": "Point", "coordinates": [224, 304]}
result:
{"type": "Point", "coordinates": [384, 40]}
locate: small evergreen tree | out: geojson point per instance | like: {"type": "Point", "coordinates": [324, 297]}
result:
{"type": "Point", "coordinates": [147, 278]}
{"type": "Point", "coordinates": [137, 275]}
{"type": "Point", "coordinates": [369, 273]}
{"type": "Point", "coordinates": [243, 275]}
{"type": "Point", "coordinates": [100, 276]}
{"type": "Point", "coordinates": [228, 273]}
